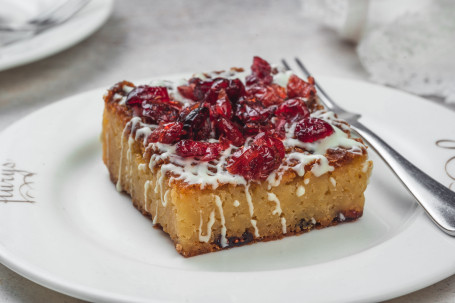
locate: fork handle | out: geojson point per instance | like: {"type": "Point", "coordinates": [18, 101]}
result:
{"type": "Point", "coordinates": [437, 200]}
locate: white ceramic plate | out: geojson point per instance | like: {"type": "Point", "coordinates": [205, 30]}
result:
{"type": "Point", "coordinates": [56, 39]}
{"type": "Point", "coordinates": [82, 238]}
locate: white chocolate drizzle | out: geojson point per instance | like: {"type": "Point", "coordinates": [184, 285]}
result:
{"type": "Point", "coordinates": [155, 219]}
{"type": "Point", "coordinates": [107, 146]}
{"type": "Point", "coordinates": [249, 200]}
{"type": "Point", "coordinates": [166, 197]}
{"type": "Point", "coordinates": [158, 175]}
{"type": "Point", "coordinates": [256, 230]}
{"type": "Point", "coordinates": [117, 97]}
{"type": "Point", "coordinates": [159, 189]}
{"type": "Point", "coordinates": [300, 190]}
{"type": "Point", "coordinates": [278, 211]}
{"type": "Point", "coordinates": [341, 217]}
{"type": "Point", "coordinates": [272, 197]}
{"type": "Point", "coordinates": [282, 78]}
{"type": "Point", "coordinates": [143, 132]}
{"type": "Point", "coordinates": [208, 234]}
{"type": "Point", "coordinates": [161, 182]}
{"type": "Point", "coordinates": [219, 204]}
{"type": "Point", "coordinates": [146, 190]}
{"type": "Point", "coordinates": [283, 225]}
{"type": "Point", "coordinates": [333, 181]}
{"type": "Point", "coordinates": [127, 89]}
{"type": "Point", "coordinates": [236, 203]}
{"type": "Point", "coordinates": [119, 176]}
{"type": "Point", "coordinates": [130, 161]}
{"type": "Point", "coordinates": [122, 100]}
{"type": "Point", "coordinates": [193, 172]}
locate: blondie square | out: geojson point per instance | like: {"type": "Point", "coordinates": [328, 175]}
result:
{"type": "Point", "coordinates": [230, 158]}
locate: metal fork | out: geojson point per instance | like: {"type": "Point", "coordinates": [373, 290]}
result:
{"type": "Point", "coordinates": [10, 33]}
{"type": "Point", "coordinates": [436, 199]}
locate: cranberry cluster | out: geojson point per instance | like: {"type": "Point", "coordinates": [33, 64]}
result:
{"type": "Point", "coordinates": [228, 110]}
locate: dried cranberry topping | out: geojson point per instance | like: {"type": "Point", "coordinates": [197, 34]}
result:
{"type": "Point", "coordinates": [293, 110]}
{"type": "Point", "coordinates": [208, 91]}
{"type": "Point", "coordinates": [312, 129]}
{"type": "Point", "coordinates": [168, 133]}
{"type": "Point", "coordinates": [235, 90]}
{"type": "Point", "coordinates": [158, 113]}
{"type": "Point", "coordinates": [272, 94]}
{"type": "Point", "coordinates": [153, 104]}
{"type": "Point", "coordinates": [223, 106]}
{"type": "Point", "coordinates": [212, 94]}
{"type": "Point", "coordinates": [227, 129]}
{"type": "Point", "coordinates": [258, 160]}
{"type": "Point", "coordinates": [197, 123]}
{"type": "Point", "coordinates": [145, 93]}
{"type": "Point", "coordinates": [261, 72]}
{"type": "Point", "coordinates": [195, 90]}
{"type": "Point", "coordinates": [227, 110]}
{"type": "Point", "coordinates": [299, 88]}
{"type": "Point", "coordinates": [267, 140]}
{"type": "Point", "coordinates": [201, 88]}
{"type": "Point", "coordinates": [187, 91]}
{"type": "Point", "coordinates": [252, 129]}
{"type": "Point", "coordinates": [205, 151]}
{"type": "Point", "coordinates": [252, 111]}
{"type": "Point", "coordinates": [280, 130]}
{"type": "Point", "coordinates": [186, 110]}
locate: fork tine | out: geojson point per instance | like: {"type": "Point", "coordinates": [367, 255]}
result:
{"type": "Point", "coordinates": [285, 64]}
{"type": "Point", "coordinates": [302, 67]}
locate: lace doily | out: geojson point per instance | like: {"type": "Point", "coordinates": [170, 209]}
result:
{"type": "Point", "coordinates": [415, 52]}
{"type": "Point", "coordinates": [408, 44]}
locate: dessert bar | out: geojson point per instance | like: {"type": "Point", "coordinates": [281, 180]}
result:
{"type": "Point", "coordinates": [228, 158]}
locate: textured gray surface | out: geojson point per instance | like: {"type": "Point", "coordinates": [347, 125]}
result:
{"type": "Point", "coordinates": [153, 38]}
